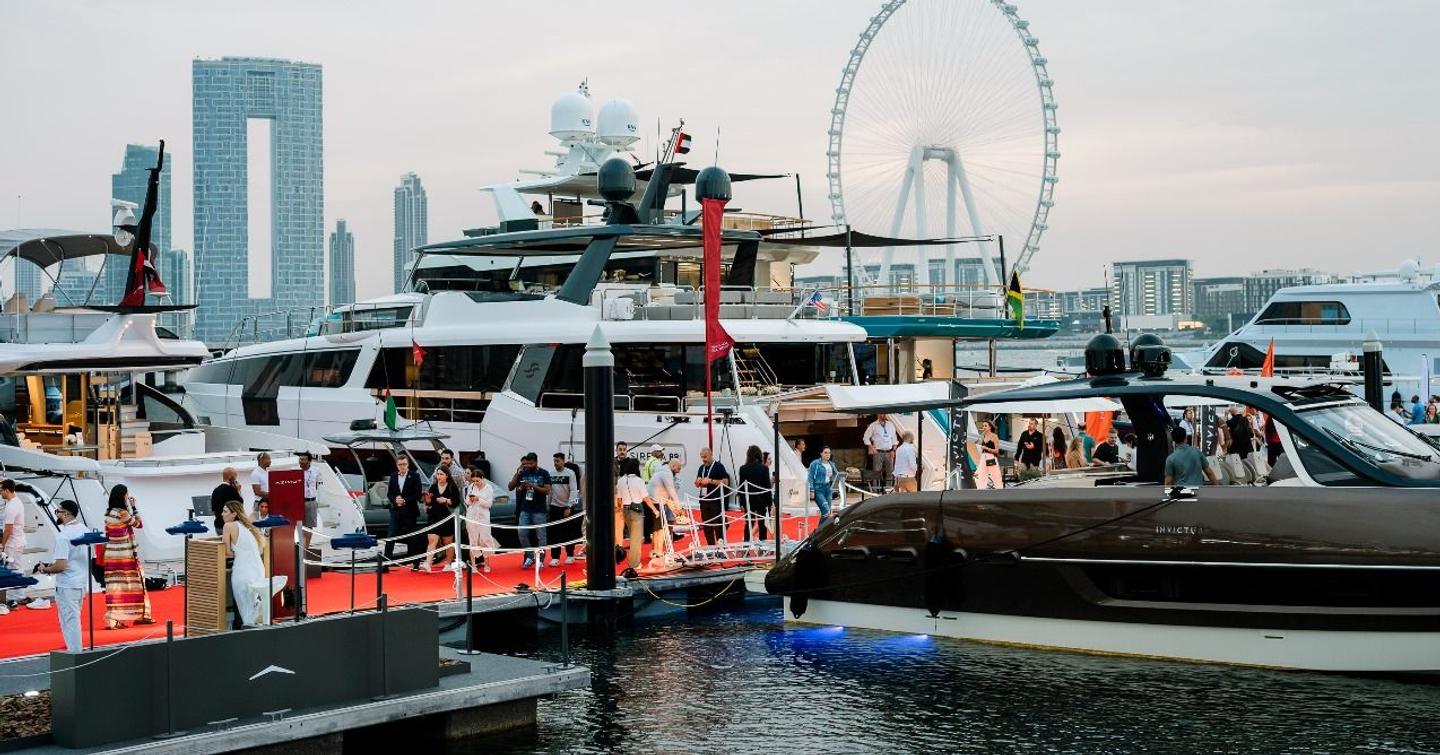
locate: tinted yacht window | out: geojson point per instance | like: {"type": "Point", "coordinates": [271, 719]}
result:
{"type": "Point", "coordinates": [1304, 313]}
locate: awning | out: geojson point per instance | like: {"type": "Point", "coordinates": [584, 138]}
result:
{"type": "Point", "coordinates": [47, 246]}
{"type": "Point", "coordinates": [1060, 406]}
{"type": "Point", "coordinates": [382, 435]}
{"type": "Point", "coordinates": [872, 399]}
{"type": "Point", "coordinates": [858, 239]}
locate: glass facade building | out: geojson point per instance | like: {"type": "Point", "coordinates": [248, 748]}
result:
{"type": "Point", "coordinates": [411, 228]}
{"type": "Point", "coordinates": [228, 94]}
{"type": "Point", "coordinates": [342, 265]}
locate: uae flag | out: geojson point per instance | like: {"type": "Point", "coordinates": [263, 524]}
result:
{"type": "Point", "coordinates": [391, 415]}
{"type": "Point", "coordinates": [682, 143]}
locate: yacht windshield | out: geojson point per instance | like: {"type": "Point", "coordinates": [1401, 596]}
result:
{"type": "Point", "coordinates": [1370, 433]}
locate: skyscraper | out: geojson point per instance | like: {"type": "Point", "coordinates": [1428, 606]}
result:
{"type": "Point", "coordinates": [342, 265]}
{"type": "Point", "coordinates": [130, 184]}
{"type": "Point", "coordinates": [410, 225]}
{"type": "Point", "coordinates": [1151, 287]}
{"type": "Point", "coordinates": [235, 100]}
{"type": "Point", "coordinates": [29, 280]}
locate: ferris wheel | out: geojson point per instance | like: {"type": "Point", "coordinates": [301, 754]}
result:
{"type": "Point", "coordinates": [939, 98]}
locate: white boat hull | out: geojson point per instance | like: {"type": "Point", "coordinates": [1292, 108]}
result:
{"type": "Point", "coordinates": [1313, 650]}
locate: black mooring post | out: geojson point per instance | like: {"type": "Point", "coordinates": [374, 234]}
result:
{"type": "Point", "coordinates": [469, 609]}
{"type": "Point", "coordinates": [379, 577]}
{"type": "Point", "coordinates": [599, 365]}
{"type": "Point", "coordinates": [299, 578]}
{"type": "Point", "coordinates": [775, 479]}
{"type": "Point", "coordinates": [564, 619]}
{"type": "Point", "coordinates": [1372, 362]}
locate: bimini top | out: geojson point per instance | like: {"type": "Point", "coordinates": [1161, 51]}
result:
{"type": "Point", "coordinates": [48, 246]}
{"type": "Point", "coordinates": [383, 435]}
{"type": "Point", "coordinates": [574, 240]}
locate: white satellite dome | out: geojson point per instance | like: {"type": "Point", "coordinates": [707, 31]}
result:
{"type": "Point", "coordinates": [618, 126]}
{"type": "Point", "coordinates": [1409, 270]}
{"type": "Point", "coordinates": [572, 116]}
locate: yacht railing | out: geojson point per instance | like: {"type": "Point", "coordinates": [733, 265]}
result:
{"type": "Point", "coordinates": [317, 320]}
{"type": "Point", "coordinates": [1381, 325]}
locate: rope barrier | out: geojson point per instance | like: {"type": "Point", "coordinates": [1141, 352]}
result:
{"type": "Point", "coordinates": [105, 657]}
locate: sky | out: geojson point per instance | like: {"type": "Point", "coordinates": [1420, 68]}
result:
{"type": "Point", "coordinates": [1238, 134]}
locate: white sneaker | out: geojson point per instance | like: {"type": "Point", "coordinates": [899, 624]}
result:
{"type": "Point", "coordinates": [4, 609]}
{"type": "Point", "coordinates": [39, 604]}
{"type": "Point", "coordinates": [554, 562]}
{"type": "Point", "coordinates": [569, 560]}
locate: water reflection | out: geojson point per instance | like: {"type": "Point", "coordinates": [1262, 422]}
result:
{"type": "Point", "coordinates": [746, 682]}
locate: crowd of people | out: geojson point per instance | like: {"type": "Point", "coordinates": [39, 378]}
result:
{"type": "Point", "coordinates": [1416, 412]}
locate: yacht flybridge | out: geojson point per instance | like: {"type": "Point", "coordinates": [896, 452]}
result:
{"type": "Point", "coordinates": [84, 409]}
{"type": "Point", "coordinates": [1330, 565]}
{"type": "Point", "coordinates": [1321, 328]}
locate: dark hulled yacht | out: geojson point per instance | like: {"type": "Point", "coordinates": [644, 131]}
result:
{"type": "Point", "coordinates": [1333, 564]}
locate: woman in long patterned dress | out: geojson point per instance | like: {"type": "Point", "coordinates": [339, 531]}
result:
{"type": "Point", "coordinates": [125, 598]}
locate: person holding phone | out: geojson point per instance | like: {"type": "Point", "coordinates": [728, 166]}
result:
{"type": "Point", "coordinates": [531, 485]}
{"type": "Point", "coordinates": [125, 597]}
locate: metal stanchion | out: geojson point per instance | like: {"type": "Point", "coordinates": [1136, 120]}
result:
{"type": "Point", "coordinates": [269, 524]}
{"type": "Point", "coordinates": [170, 731]}
{"type": "Point", "coordinates": [775, 480]}
{"type": "Point", "coordinates": [187, 528]}
{"type": "Point", "coordinates": [379, 576]}
{"type": "Point", "coordinates": [384, 650]}
{"type": "Point", "coordinates": [469, 611]}
{"type": "Point", "coordinates": [565, 619]}
{"type": "Point", "coordinates": [93, 537]}
{"type": "Point", "coordinates": [354, 541]}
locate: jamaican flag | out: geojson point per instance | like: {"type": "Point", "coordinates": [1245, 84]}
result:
{"type": "Point", "coordinates": [1015, 298]}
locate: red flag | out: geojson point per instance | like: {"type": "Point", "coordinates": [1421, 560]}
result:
{"type": "Point", "coordinates": [146, 277]}
{"type": "Point", "coordinates": [1267, 368]}
{"type": "Point", "coordinates": [417, 353]}
{"type": "Point", "coordinates": [1098, 424]}
{"type": "Point", "coordinates": [717, 341]}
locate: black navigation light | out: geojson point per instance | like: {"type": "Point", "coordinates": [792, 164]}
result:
{"type": "Point", "coordinates": [1144, 339]}
{"type": "Point", "coordinates": [1104, 356]}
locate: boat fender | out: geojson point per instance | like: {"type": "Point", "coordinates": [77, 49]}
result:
{"type": "Point", "coordinates": [937, 577]}
{"type": "Point", "coordinates": [809, 576]}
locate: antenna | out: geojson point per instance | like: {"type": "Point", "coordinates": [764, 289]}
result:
{"type": "Point", "coordinates": [717, 145]}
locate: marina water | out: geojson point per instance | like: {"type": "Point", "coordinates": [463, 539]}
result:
{"type": "Point", "coordinates": [744, 680]}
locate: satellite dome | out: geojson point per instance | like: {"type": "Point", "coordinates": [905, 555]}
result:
{"type": "Point", "coordinates": [1409, 270]}
{"type": "Point", "coordinates": [1104, 356]}
{"type": "Point", "coordinates": [713, 183]}
{"type": "Point", "coordinates": [617, 124]}
{"type": "Point", "coordinates": [616, 180]}
{"type": "Point", "coordinates": [572, 116]}
{"type": "Point", "coordinates": [1144, 339]}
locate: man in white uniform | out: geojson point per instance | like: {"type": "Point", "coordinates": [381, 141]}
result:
{"type": "Point", "coordinates": [12, 531]}
{"type": "Point", "coordinates": [907, 467]}
{"type": "Point", "coordinates": [67, 563]}
{"type": "Point", "coordinates": [260, 476]}
{"type": "Point", "coordinates": [881, 439]}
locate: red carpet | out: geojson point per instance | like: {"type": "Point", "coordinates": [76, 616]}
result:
{"type": "Point", "coordinates": [27, 632]}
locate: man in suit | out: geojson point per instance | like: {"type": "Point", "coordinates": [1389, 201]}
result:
{"type": "Point", "coordinates": [712, 480]}
{"type": "Point", "coordinates": [228, 490]}
{"type": "Point", "coordinates": [402, 494]}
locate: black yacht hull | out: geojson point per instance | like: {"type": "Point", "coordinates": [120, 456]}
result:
{"type": "Point", "coordinates": [1302, 578]}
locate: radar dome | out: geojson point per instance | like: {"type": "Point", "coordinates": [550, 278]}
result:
{"type": "Point", "coordinates": [617, 124]}
{"type": "Point", "coordinates": [616, 180]}
{"type": "Point", "coordinates": [572, 117]}
{"type": "Point", "coordinates": [1409, 270]}
{"type": "Point", "coordinates": [1104, 356]}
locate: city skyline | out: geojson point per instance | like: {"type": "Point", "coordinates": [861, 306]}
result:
{"type": "Point", "coordinates": [342, 265]}
{"type": "Point", "coordinates": [1222, 147]}
{"type": "Point", "coordinates": [411, 226]}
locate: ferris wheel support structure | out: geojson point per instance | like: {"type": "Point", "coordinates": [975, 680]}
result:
{"type": "Point", "coordinates": [957, 177]}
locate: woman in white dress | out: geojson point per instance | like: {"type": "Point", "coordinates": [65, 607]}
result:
{"type": "Point", "coordinates": [247, 575]}
{"type": "Point", "coordinates": [479, 498]}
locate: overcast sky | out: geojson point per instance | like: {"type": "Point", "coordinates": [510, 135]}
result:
{"type": "Point", "coordinates": [1240, 134]}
